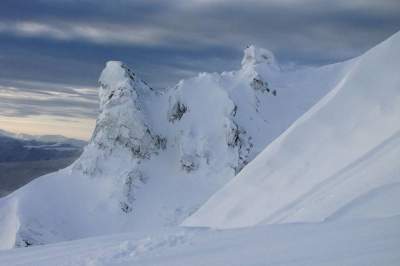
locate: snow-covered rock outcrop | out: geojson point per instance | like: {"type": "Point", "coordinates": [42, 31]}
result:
{"type": "Point", "coordinates": [341, 155]}
{"type": "Point", "coordinates": [157, 155]}
{"type": "Point", "coordinates": [122, 125]}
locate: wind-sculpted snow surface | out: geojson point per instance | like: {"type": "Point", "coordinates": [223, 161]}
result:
{"type": "Point", "coordinates": [157, 155]}
{"type": "Point", "coordinates": [338, 156]}
{"type": "Point", "coordinates": [353, 243]}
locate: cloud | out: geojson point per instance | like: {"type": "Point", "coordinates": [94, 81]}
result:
{"type": "Point", "coordinates": [47, 108]}
{"type": "Point", "coordinates": [102, 34]}
{"type": "Point", "coordinates": [45, 44]}
{"type": "Point", "coordinates": [305, 31]}
{"type": "Point", "coordinates": [31, 98]}
{"type": "Point", "coordinates": [169, 34]}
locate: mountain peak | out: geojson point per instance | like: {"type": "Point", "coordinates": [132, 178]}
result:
{"type": "Point", "coordinates": [254, 55]}
{"type": "Point", "coordinates": [114, 72]}
{"type": "Point", "coordinates": [121, 124]}
{"type": "Point", "coordinates": [116, 80]}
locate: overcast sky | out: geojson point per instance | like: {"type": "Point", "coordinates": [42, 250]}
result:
{"type": "Point", "coordinates": [52, 51]}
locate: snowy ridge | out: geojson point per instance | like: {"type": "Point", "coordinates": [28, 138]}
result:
{"type": "Point", "coordinates": [344, 147]}
{"type": "Point", "coordinates": [325, 191]}
{"type": "Point", "coordinates": [121, 127]}
{"type": "Point", "coordinates": [156, 155]}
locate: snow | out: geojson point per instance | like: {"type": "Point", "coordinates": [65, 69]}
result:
{"type": "Point", "coordinates": [155, 156]}
{"type": "Point", "coordinates": [355, 243]}
{"type": "Point", "coordinates": [255, 55]}
{"type": "Point", "coordinates": [305, 159]}
{"type": "Point", "coordinates": [342, 148]}
{"type": "Point", "coordinates": [9, 224]}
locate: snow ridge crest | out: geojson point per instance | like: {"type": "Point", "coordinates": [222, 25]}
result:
{"type": "Point", "coordinates": [121, 125]}
{"type": "Point", "coordinates": [254, 55]}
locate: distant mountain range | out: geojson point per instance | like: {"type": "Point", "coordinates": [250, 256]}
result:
{"type": "Point", "coordinates": [24, 157]}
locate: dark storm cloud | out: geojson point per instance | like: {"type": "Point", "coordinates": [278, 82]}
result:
{"type": "Point", "coordinates": [67, 42]}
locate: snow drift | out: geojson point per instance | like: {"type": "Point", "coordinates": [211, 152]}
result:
{"type": "Point", "coordinates": [355, 243]}
{"type": "Point", "coordinates": [156, 155]}
{"type": "Point", "coordinates": [340, 159]}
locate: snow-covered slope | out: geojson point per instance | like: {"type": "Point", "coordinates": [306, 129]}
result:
{"type": "Point", "coordinates": [157, 155]}
{"type": "Point", "coordinates": [340, 159]}
{"type": "Point", "coordinates": [349, 243]}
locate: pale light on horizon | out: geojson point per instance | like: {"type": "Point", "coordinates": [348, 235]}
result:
{"type": "Point", "coordinates": [78, 128]}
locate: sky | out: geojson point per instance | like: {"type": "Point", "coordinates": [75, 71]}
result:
{"type": "Point", "coordinates": [52, 51]}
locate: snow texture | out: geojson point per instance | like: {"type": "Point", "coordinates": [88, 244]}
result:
{"type": "Point", "coordinates": [343, 148]}
{"type": "Point", "coordinates": [306, 159]}
{"type": "Point", "coordinates": [353, 243]}
{"type": "Point", "coordinates": [155, 156]}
